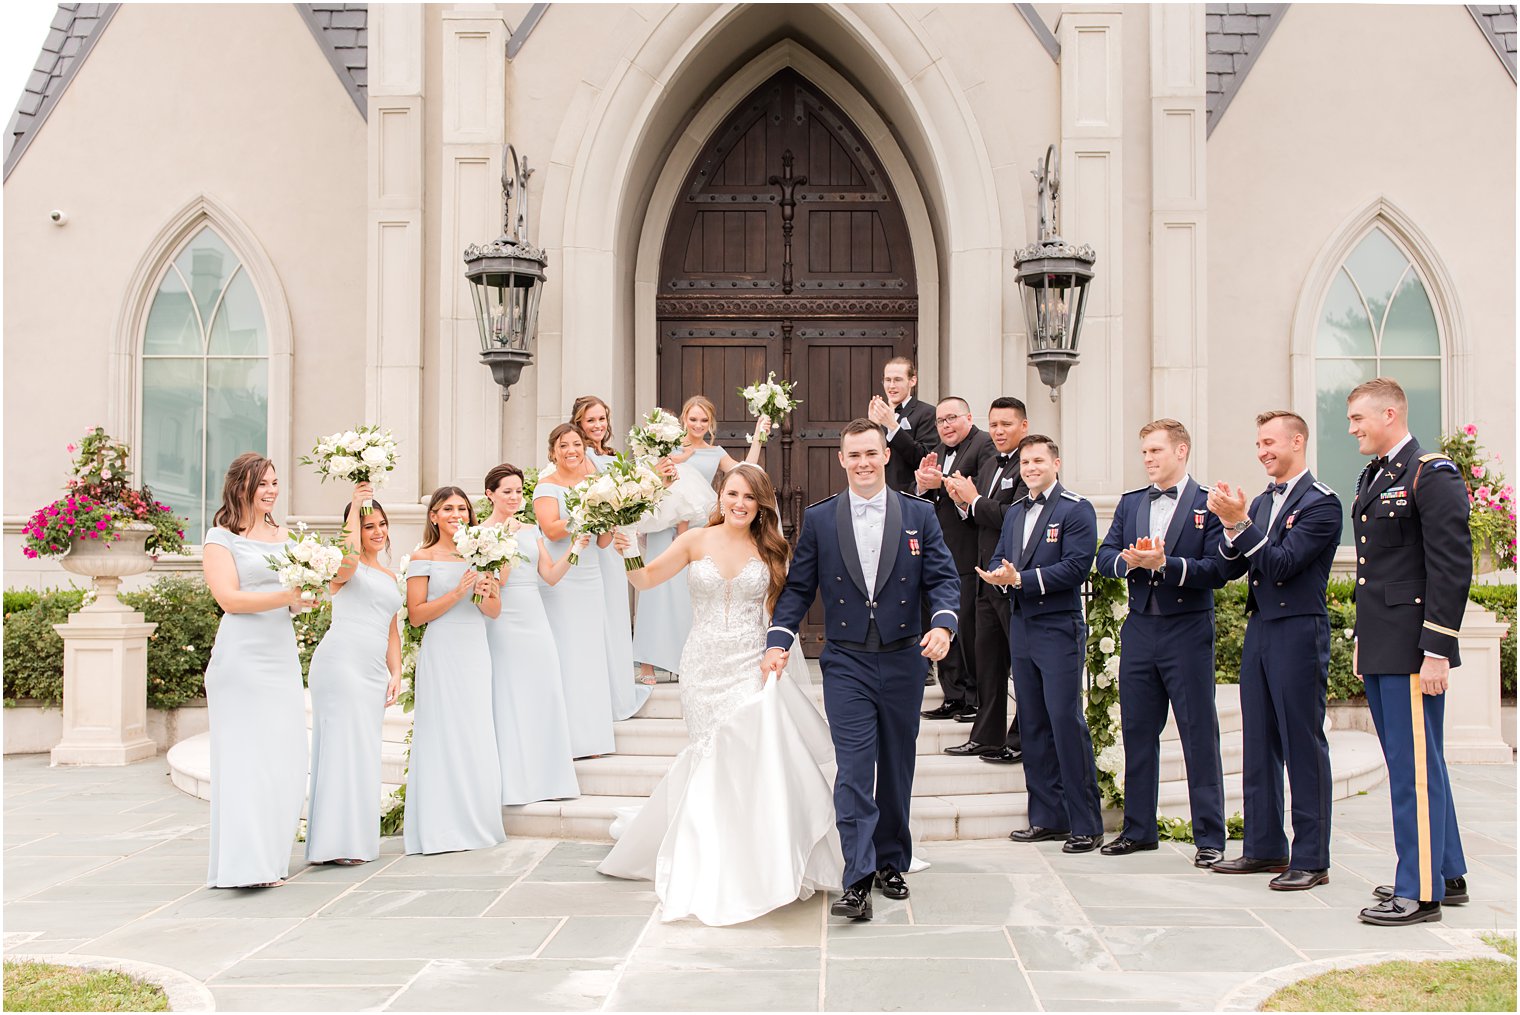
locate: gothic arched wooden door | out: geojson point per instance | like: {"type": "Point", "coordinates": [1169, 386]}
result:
{"type": "Point", "coordinates": [787, 251]}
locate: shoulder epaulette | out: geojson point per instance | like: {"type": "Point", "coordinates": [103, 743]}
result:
{"type": "Point", "coordinates": [1322, 488]}
{"type": "Point", "coordinates": [823, 501]}
{"type": "Point", "coordinates": [1433, 456]}
{"type": "Point", "coordinates": [1072, 496]}
{"type": "Point", "coordinates": [1205, 489]}
{"type": "Point", "coordinates": [1138, 489]}
{"type": "Point", "coordinates": [914, 496]}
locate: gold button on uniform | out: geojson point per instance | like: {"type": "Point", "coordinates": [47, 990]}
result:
{"type": "Point", "coordinates": [1364, 518]}
{"type": "Point", "coordinates": [1361, 581]}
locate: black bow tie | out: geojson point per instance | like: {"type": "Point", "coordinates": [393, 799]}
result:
{"type": "Point", "coordinates": [1380, 462]}
{"type": "Point", "coordinates": [1277, 488]}
{"type": "Point", "coordinates": [1038, 498]}
{"type": "Point", "coordinates": [1003, 460]}
{"type": "Point", "coordinates": [1169, 492]}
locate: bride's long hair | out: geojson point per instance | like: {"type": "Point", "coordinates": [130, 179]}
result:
{"type": "Point", "coordinates": [764, 528]}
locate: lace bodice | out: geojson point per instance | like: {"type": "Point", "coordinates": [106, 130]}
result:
{"type": "Point", "coordinates": [720, 666]}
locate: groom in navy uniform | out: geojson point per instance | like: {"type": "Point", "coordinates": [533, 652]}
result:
{"type": "Point", "coordinates": [875, 554]}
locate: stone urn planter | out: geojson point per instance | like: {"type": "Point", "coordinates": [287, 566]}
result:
{"type": "Point", "coordinates": [105, 658]}
{"type": "Point", "coordinates": [108, 563]}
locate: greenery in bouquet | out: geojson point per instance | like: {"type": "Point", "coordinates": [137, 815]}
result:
{"type": "Point", "coordinates": [620, 494]}
{"type": "Point", "coordinates": [366, 454]}
{"type": "Point", "coordinates": [770, 398]}
{"type": "Point", "coordinates": [1490, 497]}
{"type": "Point", "coordinates": [487, 549]}
{"type": "Point", "coordinates": [99, 503]}
{"type": "Point", "coordinates": [657, 435]}
{"type": "Point", "coordinates": [308, 561]}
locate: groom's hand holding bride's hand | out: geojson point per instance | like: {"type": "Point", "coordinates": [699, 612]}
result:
{"type": "Point", "coordinates": [774, 662]}
{"type": "Point", "coordinates": [935, 644]}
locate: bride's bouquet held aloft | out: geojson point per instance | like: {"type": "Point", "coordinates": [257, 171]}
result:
{"type": "Point", "coordinates": [621, 494]}
{"type": "Point", "coordinates": [308, 561]}
{"type": "Point", "coordinates": [770, 398]}
{"type": "Point", "coordinates": [363, 455]}
{"type": "Point", "coordinates": [487, 549]}
{"type": "Point", "coordinates": [658, 435]}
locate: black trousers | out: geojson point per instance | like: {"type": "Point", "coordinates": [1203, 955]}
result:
{"type": "Point", "coordinates": [957, 671]}
{"type": "Point", "coordinates": [992, 673]}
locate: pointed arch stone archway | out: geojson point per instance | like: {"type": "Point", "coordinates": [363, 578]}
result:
{"type": "Point", "coordinates": [611, 167]}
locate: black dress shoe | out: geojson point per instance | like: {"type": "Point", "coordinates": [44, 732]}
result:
{"type": "Point", "coordinates": [971, 747]}
{"type": "Point", "coordinates": [1082, 843]}
{"type": "Point", "coordinates": [1251, 865]}
{"type": "Point", "coordinates": [1456, 892]}
{"type": "Point", "coordinates": [1207, 857]}
{"type": "Point", "coordinates": [1124, 847]}
{"type": "Point", "coordinates": [947, 710]}
{"type": "Point", "coordinates": [1034, 833]}
{"type": "Point", "coordinates": [891, 883]}
{"type": "Point", "coordinates": [1004, 757]}
{"type": "Point", "coordinates": [855, 903]}
{"type": "Point", "coordinates": [1397, 912]}
{"type": "Point", "coordinates": [1292, 880]}
{"type": "Point", "coordinates": [966, 715]}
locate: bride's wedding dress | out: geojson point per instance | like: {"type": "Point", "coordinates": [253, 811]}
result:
{"type": "Point", "coordinates": [743, 822]}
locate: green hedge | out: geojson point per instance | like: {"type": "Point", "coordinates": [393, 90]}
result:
{"type": "Point", "coordinates": [1500, 601]}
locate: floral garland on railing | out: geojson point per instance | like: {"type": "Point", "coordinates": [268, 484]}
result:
{"type": "Point", "coordinates": [392, 817]}
{"type": "Point", "coordinates": [1107, 607]}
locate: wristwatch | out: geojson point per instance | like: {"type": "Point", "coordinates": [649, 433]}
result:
{"type": "Point", "coordinates": [1240, 526]}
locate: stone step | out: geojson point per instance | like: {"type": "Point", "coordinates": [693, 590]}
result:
{"type": "Point", "coordinates": [1356, 760]}
{"type": "Point", "coordinates": [936, 774]}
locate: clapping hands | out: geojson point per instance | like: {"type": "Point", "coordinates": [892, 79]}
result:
{"type": "Point", "coordinates": [1147, 553]}
{"type": "Point", "coordinates": [928, 475]}
{"type": "Point", "coordinates": [1228, 503]}
{"type": "Point", "coordinates": [880, 413]}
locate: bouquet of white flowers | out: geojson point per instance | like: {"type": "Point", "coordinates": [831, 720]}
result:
{"type": "Point", "coordinates": [487, 548]}
{"type": "Point", "coordinates": [657, 436]}
{"type": "Point", "coordinates": [308, 562]}
{"type": "Point", "coordinates": [770, 398]}
{"type": "Point", "coordinates": [621, 494]}
{"type": "Point", "coordinates": [365, 455]}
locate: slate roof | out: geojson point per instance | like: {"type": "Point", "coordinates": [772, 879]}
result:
{"type": "Point", "coordinates": [74, 30]}
{"type": "Point", "coordinates": [342, 30]}
{"type": "Point", "coordinates": [1498, 24]}
{"type": "Point", "coordinates": [1236, 35]}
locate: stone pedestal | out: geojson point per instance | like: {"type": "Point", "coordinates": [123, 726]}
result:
{"type": "Point", "coordinates": [105, 688]}
{"type": "Point", "coordinates": [1473, 731]}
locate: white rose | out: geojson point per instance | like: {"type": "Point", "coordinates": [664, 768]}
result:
{"type": "Point", "coordinates": [342, 466]}
{"type": "Point", "coordinates": [1350, 634]}
{"type": "Point", "coordinates": [1120, 610]}
{"type": "Point", "coordinates": [1106, 645]}
{"type": "Point", "coordinates": [1102, 679]}
{"type": "Point", "coordinates": [301, 551]}
{"type": "Point", "coordinates": [1112, 666]}
{"type": "Point", "coordinates": [375, 456]}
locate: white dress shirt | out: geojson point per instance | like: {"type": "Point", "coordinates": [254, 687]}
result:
{"type": "Point", "coordinates": [898, 425]}
{"type": "Point", "coordinates": [1279, 499]}
{"type": "Point", "coordinates": [1163, 508]}
{"type": "Point", "coordinates": [868, 517]}
{"type": "Point", "coordinates": [1032, 512]}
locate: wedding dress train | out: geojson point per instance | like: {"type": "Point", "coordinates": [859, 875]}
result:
{"type": "Point", "coordinates": [743, 822]}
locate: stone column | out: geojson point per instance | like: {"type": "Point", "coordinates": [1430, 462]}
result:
{"type": "Point", "coordinates": [473, 124]}
{"type": "Point", "coordinates": [1473, 734]}
{"type": "Point", "coordinates": [1092, 162]}
{"type": "Point", "coordinates": [1179, 363]}
{"type": "Point", "coordinates": [105, 684]}
{"type": "Point", "coordinates": [394, 321]}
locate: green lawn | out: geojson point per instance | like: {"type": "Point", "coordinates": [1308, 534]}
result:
{"type": "Point", "coordinates": [40, 986]}
{"type": "Point", "coordinates": [1449, 985]}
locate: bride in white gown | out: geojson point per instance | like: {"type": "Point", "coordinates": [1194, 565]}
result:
{"type": "Point", "coordinates": [743, 823]}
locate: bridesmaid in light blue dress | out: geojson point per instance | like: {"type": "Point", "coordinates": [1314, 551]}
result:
{"type": "Point", "coordinates": [355, 673]}
{"type": "Point", "coordinates": [591, 416]}
{"type": "Point", "coordinates": [453, 784]}
{"type": "Point", "coordinates": [253, 687]}
{"type": "Point", "coordinates": [577, 606]}
{"type": "Point", "coordinates": [664, 616]}
{"type": "Point", "coordinates": [527, 692]}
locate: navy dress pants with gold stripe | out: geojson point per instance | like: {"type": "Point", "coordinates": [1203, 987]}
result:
{"type": "Point", "coordinates": [1409, 723]}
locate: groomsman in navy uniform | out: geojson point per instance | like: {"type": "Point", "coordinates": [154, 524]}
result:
{"type": "Point", "coordinates": [1167, 645]}
{"type": "Point", "coordinates": [983, 502]}
{"type": "Point", "coordinates": [961, 451]}
{"type": "Point", "coordinates": [908, 421]}
{"type": "Point", "coordinates": [1286, 541]}
{"type": "Point", "coordinates": [876, 555]}
{"type": "Point", "coordinates": [1043, 555]}
{"type": "Point", "coordinates": [1413, 570]}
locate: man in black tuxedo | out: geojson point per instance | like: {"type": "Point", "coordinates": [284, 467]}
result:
{"type": "Point", "coordinates": [983, 502]}
{"type": "Point", "coordinates": [961, 451]}
{"type": "Point", "coordinates": [909, 422]}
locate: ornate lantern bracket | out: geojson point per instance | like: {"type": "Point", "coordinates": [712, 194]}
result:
{"type": "Point", "coordinates": [506, 280]}
{"type": "Point", "coordinates": [1053, 276]}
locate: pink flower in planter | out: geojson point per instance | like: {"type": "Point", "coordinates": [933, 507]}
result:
{"type": "Point", "coordinates": [1479, 472]}
{"type": "Point", "coordinates": [1483, 493]}
{"type": "Point", "coordinates": [1470, 430]}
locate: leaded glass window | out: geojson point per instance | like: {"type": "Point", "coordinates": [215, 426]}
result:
{"type": "Point", "coordinates": [205, 378]}
{"type": "Point", "coordinates": [1377, 321]}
